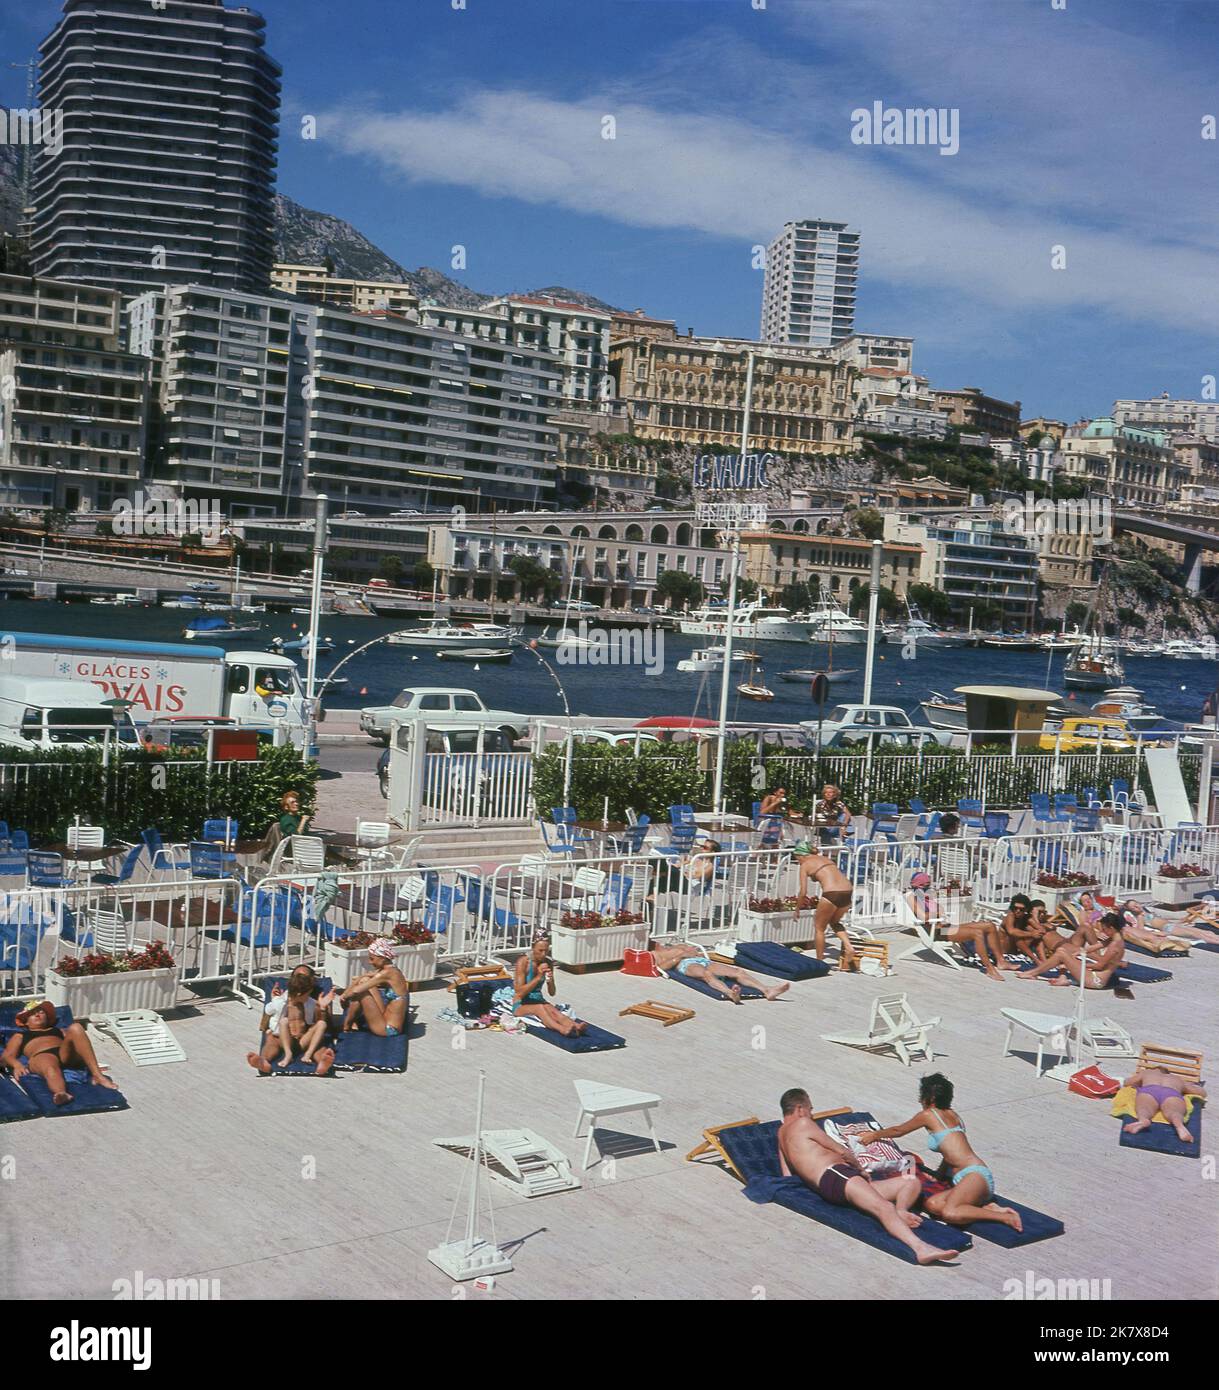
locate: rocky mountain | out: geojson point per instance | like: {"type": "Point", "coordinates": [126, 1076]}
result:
{"type": "Point", "coordinates": [308, 237]}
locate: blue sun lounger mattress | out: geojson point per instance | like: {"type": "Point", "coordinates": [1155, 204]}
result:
{"type": "Point", "coordinates": [1162, 1138]}
{"type": "Point", "coordinates": [773, 958]}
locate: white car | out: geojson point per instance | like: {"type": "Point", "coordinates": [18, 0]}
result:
{"type": "Point", "coordinates": [615, 737]}
{"type": "Point", "coordinates": [446, 705]}
{"type": "Point", "coordinates": [848, 724]}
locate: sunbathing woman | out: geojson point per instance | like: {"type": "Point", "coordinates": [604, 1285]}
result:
{"type": "Point", "coordinates": [696, 964]}
{"type": "Point", "coordinates": [1016, 931]}
{"type": "Point", "coordinates": [1152, 932]}
{"type": "Point", "coordinates": [46, 1049]}
{"type": "Point", "coordinates": [1162, 1091]}
{"type": "Point", "coordinates": [378, 1000]}
{"type": "Point", "coordinates": [971, 1197]}
{"type": "Point", "coordinates": [982, 936]}
{"type": "Point", "coordinates": [833, 905]}
{"type": "Point", "coordinates": [533, 973]}
{"type": "Point", "coordinates": [1102, 961]}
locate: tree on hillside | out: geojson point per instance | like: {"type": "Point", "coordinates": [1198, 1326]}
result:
{"type": "Point", "coordinates": [869, 523]}
{"type": "Point", "coordinates": [681, 589]}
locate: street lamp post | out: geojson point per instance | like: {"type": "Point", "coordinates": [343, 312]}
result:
{"type": "Point", "coordinates": [726, 677]}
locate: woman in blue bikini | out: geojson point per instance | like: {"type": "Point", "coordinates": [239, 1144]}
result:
{"type": "Point", "coordinates": [971, 1196]}
{"type": "Point", "coordinates": [378, 1001]}
{"type": "Point", "coordinates": [533, 974]}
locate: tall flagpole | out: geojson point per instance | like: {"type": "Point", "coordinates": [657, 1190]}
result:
{"type": "Point", "coordinates": [726, 677]}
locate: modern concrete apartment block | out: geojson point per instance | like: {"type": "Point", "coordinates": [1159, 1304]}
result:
{"type": "Point", "coordinates": [72, 422]}
{"type": "Point", "coordinates": [812, 272]}
{"type": "Point", "coordinates": [170, 121]}
{"type": "Point", "coordinates": [319, 285]}
{"type": "Point", "coordinates": [975, 561]}
{"type": "Point", "coordinates": [404, 415]}
{"type": "Point", "coordinates": [228, 386]}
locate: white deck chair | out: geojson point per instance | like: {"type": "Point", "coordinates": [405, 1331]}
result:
{"type": "Point", "coordinates": [893, 1024]}
{"type": "Point", "coordinates": [308, 854]}
{"type": "Point", "coordinates": [590, 882]}
{"type": "Point", "coordinates": [111, 933]}
{"type": "Point", "coordinates": [82, 837]}
{"type": "Point", "coordinates": [372, 841]}
{"type": "Point", "coordinates": [409, 853]}
{"type": "Point", "coordinates": [927, 934]}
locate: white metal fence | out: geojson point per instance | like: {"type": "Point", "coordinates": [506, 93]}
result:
{"type": "Point", "coordinates": [477, 789]}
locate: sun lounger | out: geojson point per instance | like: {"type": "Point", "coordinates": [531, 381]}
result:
{"type": "Point", "coordinates": [594, 1039]}
{"type": "Point", "coordinates": [747, 991]}
{"type": "Point", "coordinates": [14, 1103]}
{"type": "Point", "coordinates": [1176, 946]}
{"type": "Point", "coordinates": [892, 1024]}
{"type": "Point", "coordinates": [1128, 973]}
{"type": "Point", "coordinates": [753, 1151]}
{"type": "Point", "coordinates": [773, 958]}
{"type": "Point", "coordinates": [87, 1099]}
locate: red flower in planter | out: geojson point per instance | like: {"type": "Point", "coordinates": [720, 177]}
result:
{"type": "Point", "coordinates": [154, 956]}
{"type": "Point", "coordinates": [1183, 871]}
{"type": "Point", "coordinates": [1072, 880]}
{"type": "Point", "coordinates": [412, 934]}
{"type": "Point", "coordinates": [354, 941]}
{"type": "Point", "coordinates": [766, 905]}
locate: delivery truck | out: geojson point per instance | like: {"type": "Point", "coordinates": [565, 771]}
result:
{"type": "Point", "coordinates": [255, 690]}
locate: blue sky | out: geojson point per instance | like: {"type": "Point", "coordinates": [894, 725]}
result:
{"type": "Point", "coordinates": [1079, 128]}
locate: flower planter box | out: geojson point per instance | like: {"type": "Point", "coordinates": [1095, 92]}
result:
{"type": "Point", "coordinates": [786, 927]}
{"type": "Point", "coordinates": [577, 947]}
{"type": "Point", "coordinates": [1055, 897]}
{"type": "Point", "coordinates": [1175, 891]}
{"type": "Point", "coordinates": [87, 995]}
{"type": "Point", "coordinates": [417, 963]}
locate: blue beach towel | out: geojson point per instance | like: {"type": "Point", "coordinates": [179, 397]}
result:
{"type": "Point", "coordinates": [593, 1040]}
{"type": "Point", "coordinates": [86, 1099]}
{"type": "Point", "coordinates": [773, 958]}
{"type": "Point", "coordinates": [747, 991]}
{"type": "Point", "coordinates": [754, 1150]}
{"type": "Point", "coordinates": [1162, 1139]}
{"type": "Point", "coordinates": [14, 1103]}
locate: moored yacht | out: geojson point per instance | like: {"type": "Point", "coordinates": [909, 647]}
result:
{"type": "Point", "coordinates": [751, 620]}
{"type": "Point", "coordinates": [440, 632]}
{"type": "Point", "coordinates": [827, 622]}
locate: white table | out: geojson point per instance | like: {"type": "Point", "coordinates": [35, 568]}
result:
{"type": "Point", "coordinates": [1046, 1028]}
{"type": "Point", "coordinates": [598, 1100]}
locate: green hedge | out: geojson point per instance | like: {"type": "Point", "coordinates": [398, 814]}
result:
{"type": "Point", "coordinates": [669, 774]}
{"type": "Point", "coordinates": [43, 792]}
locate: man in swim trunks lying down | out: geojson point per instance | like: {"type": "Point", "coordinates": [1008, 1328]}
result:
{"type": "Point", "coordinates": [1162, 1091]}
{"type": "Point", "coordinates": [808, 1153]}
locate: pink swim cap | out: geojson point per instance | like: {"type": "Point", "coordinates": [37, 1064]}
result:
{"type": "Point", "coordinates": [921, 881]}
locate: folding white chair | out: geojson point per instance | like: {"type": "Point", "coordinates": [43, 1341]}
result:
{"type": "Point", "coordinates": [82, 837]}
{"type": "Point", "coordinates": [111, 932]}
{"type": "Point", "coordinates": [927, 934]}
{"type": "Point", "coordinates": [372, 841]}
{"type": "Point", "coordinates": [590, 882]}
{"type": "Point", "coordinates": [308, 854]}
{"type": "Point", "coordinates": [892, 1024]}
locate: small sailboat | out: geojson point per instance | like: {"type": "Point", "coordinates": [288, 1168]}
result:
{"type": "Point", "coordinates": [755, 688]}
{"type": "Point", "coordinates": [805, 677]}
{"type": "Point", "coordinates": [301, 644]}
{"type": "Point", "coordinates": [494, 656]}
{"type": "Point", "coordinates": [213, 629]}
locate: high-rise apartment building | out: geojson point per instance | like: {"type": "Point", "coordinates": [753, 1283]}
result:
{"type": "Point", "coordinates": [72, 415]}
{"type": "Point", "coordinates": [167, 170]}
{"type": "Point", "coordinates": [812, 272]}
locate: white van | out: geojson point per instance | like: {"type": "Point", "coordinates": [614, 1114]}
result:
{"type": "Point", "coordinates": [37, 713]}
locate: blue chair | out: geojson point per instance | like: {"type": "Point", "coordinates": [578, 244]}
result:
{"type": "Point", "coordinates": [3, 830]}
{"type": "Point", "coordinates": [126, 869]}
{"type": "Point", "coordinates": [564, 818]}
{"type": "Point", "coordinates": [772, 832]}
{"type": "Point", "coordinates": [995, 825]}
{"type": "Point", "coordinates": [12, 861]}
{"type": "Point", "coordinates": [1043, 812]}
{"type": "Point", "coordinates": [970, 810]}
{"type": "Point", "coordinates": [917, 805]}
{"type": "Point", "coordinates": [681, 839]}
{"type": "Point", "coordinates": [161, 858]}
{"type": "Point", "coordinates": [559, 845]}
{"type": "Point", "coordinates": [1065, 805]}
{"type": "Point", "coordinates": [616, 893]}
{"type": "Point", "coordinates": [45, 870]}
{"type": "Point", "coordinates": [682, 815]}
{"type": "Point", "coordinates": [225, 829]}
{"type": "Point", "coordinates": [19, 840]}
{"type": "Point", "coordinates": [933, 826]}
{"type": "Point", "coordinates": [1085, 818]}
{"type": "Point", "coordinates": [1092, 797]}
{"type": "Point", "coordinates": [631, 840]}
{"type": "Point", "coordinates": [884, 819]}
{"type": "Point", "coordinates": [1119, 790]}
{"type": "Point", "coordinates": [1052, 857]}
{"type": "Point", "coordinates": [210, 861]}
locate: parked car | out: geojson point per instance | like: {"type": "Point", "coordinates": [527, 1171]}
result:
{"type": "Point", "coordinates": [577, 605]}
{"type": "Point", "coordinates": [443, 702]}
{"type": "Point", "coordinates": [861, 718]}
{"type": "Point", "coordinates": [1080, 735]}
{"type": "Point", "coordinates": [205, 586]}
{"type": "Point", "coordinates": [613, 736]}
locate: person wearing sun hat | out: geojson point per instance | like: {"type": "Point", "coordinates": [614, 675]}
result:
{"type": "Point", "coordinates": [982, 936]}
{"type": "Point", "coordinates": [46, 1048]}
{"type": "Point", "coordinates": [379, 999]}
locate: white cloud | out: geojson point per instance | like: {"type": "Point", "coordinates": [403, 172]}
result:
{"type": "Point", "coordinates": [733, 178]}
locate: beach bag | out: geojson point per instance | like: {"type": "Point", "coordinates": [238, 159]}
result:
{"type": "Point", "coordinates": [639, 963]}
{"type": "Point", "coordinates": [474, 997]}
{"type": "Point", "coordinates": [1094, 1083]}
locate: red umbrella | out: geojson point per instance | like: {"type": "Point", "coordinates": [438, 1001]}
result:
{"type": "Point", "coordinates": [676, 721]}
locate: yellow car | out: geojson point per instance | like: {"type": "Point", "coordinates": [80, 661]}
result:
{"type": "Point", "coordinates": [1082, 735]}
